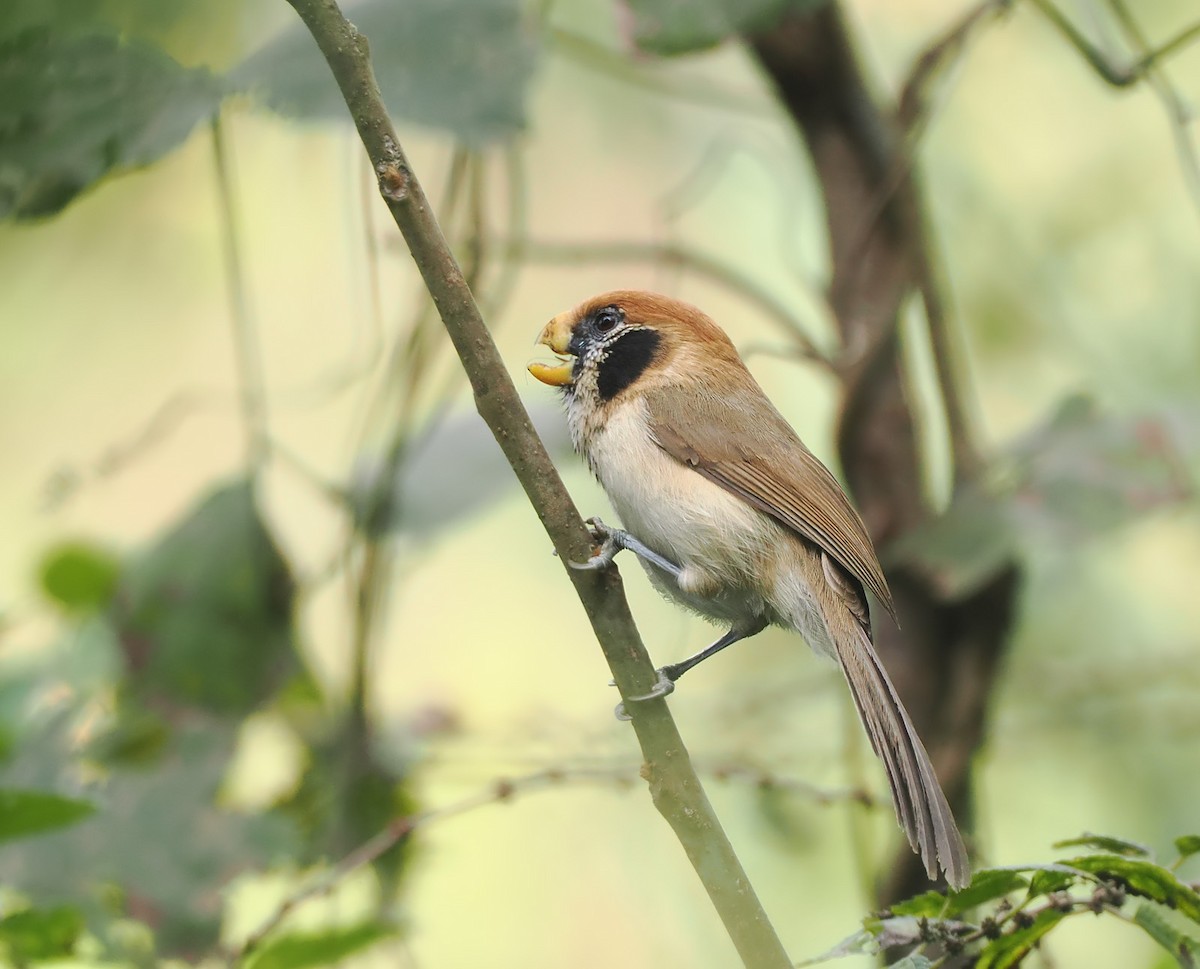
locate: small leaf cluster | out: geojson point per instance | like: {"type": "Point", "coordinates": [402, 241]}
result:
{"type": "Point", "coordinates": [1006, 913]}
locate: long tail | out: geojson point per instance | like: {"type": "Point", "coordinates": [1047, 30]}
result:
{"type": "Point", "coordinates": [921, 806]}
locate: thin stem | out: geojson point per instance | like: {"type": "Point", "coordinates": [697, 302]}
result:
{"type": "Point", "coordinates": [675, 788]}
{"type": "Point", "coordinates": [245, 342]}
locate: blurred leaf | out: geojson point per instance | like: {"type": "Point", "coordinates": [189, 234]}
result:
{"type": "Point", "coordinates": [1047, 881]}
{"type": "Point", "coordinates": [1086, 471]}
{"type": "Point", "coordinates": [1188, 845]}
{"type": "Point", "coordinates": [302, 950]}
{"type": "Point", "coordinates": [1081, 473]}
{"type": "Point", "coordinates": [1012, 947]}
{"type": "Point", "coordinates": [1184, 947]}
{"type": "Point", "coordinates": [39, 934]}
{"type": "Point", "coordinates": [458, 65]}
{"type": "Point", "coordinates": [986, 886]}
{"type": "Point", "coordinates": [79, 576]}
{"type": "Point", "coordinates": [1103, 842]}
{"type": "Point", "coordinates": [23, 813]}
{"type": "Point", "coordinates": [454, 471]}
{"type": "Point", "coordinates": [682, 26]}
{"type": "Point", "coordinates": [346, 797]}
{"type": "Point", "coordinates": [876, 935]}
{"type": "Point", "coordinates": [205, 617]}
{"type": "Point", "coordinates": [162, 839]}
{"type": "Point", "coordinates": [1143, 878]}
{"type": "Point", "coordinates": [914, 961]}
{"type": "Point", "coordinates": [190, 30]}
{"type": "Point", "coordinates": [78, 106]}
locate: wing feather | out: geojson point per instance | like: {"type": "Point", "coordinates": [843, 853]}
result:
{"type": "Point", "coordinates": [742, 443]}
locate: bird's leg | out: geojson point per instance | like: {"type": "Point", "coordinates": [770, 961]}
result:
{"type": "Point", "coordinates": [612, 540]}
{"type": "Point", "coordinates": [667, 675]}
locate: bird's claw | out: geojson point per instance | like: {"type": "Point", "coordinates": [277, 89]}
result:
{"type": "Point", "coordinates": [663, 686]}
{"type": "Point", "coordinates": [609, 546]}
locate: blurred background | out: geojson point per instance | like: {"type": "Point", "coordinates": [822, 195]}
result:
{"type": "Point", "coordinates": [267, 582]}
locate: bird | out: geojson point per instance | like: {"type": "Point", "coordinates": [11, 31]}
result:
{"type": "Point", "coordinates": [733, 517]}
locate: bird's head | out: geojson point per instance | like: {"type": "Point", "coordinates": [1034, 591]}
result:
{"type": "Point", "coordinates": [624, 337]}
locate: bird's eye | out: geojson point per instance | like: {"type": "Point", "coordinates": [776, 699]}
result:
{"type": "Point", "coordinates": [607, 319]}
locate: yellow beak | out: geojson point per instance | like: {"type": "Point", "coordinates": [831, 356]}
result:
{"type": "Point", "coordinates": [557, 336]}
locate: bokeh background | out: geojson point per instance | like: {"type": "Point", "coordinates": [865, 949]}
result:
{"type": "Point", "coordinates": [1067, 213]}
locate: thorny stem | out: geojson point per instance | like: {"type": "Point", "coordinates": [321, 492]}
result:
{"type": "Point", "coordinates": [675, 788]}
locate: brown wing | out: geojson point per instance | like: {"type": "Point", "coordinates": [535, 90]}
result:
{"type": "Point", "coordinates": [742, 443]}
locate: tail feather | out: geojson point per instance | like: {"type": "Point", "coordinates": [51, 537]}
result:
{"type": "Point", "coordinates": [920, 805]}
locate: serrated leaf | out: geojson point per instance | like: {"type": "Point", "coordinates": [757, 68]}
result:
{"type": "Point", "coordinates": [682, 26]}
{"type": "Point", "coordinates": [40, 934]}
{"type": "Point", "coordinates": [1187, 845]}
{"type": "Point", "coordinates": [1046, 882]}
{"type": "Point", "coordinates": [461, 66]}
{"type": "Point", "coordinates": [986, 886]}
{"type": "Point", "coordinates": [79, 576]}
{"type": "Point", "coordinates": [304, 950]}
{"type": "Point", "coordinates": [204, 618]}
{"type": "Point", "coordinates": [24, 813]}
{"type": "Point", "coordinates": [1103, 842]}
{"type": "Point", "coordinates": [1184, 947]}
{"type": "Point", "coordinates": [1008, 950]}
{"type": "Point", "coordinates": [78, 106]}
{"type": "Point", "coordinates": [1143, 878]}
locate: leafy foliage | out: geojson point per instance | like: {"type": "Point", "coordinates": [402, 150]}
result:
{"type": "Point", "coordinates": [1011, 914]}
{"type": "Point", "coordinates": [34, 935]}
{"type": "Point", "coordinates": [462, 67]}
{"type": "Point", "coordinates": [78, 106]}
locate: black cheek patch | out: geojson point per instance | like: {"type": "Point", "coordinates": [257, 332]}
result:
{"type": "Point", "coordinates": [625, 361]}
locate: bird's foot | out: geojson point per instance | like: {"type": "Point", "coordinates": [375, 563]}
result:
{"type": "Point", "coordinates": [612, 540]}
{"type": "Point", "coordinates": [609, 542]}
{"type": "Point", "coordinates": [663, 686]}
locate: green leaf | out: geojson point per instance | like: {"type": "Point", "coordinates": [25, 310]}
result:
{"type": "Point", "coordinates": [1046, 881]}
{"type": "Point", "coordinates": [1103, 842]}
{"type": "Point", "coordinates": [926, 905]}
{"type": "Point", "coordinates": [1184, 947]}
{"type": "Point", "coordinates": [24, 813]}
{"type": "Point", "coordinates": [683, 26]}
{"type": "Point", "coordinates": [1187, 845]}
{"type": "Point", "coordinates": [987, 885]}
{"type": "Point", "coordinates": [1012, 947]}
{"type": "Point", "coordinates": [205, 617]}
{"type": "Point", "coordinates": [40, 934]}
{"type": "Point", "coordinates": [79, 576]}
{"type": "Point", "coordinates": [461, 66]}
{"type": "Point", "coordinates": [302, 950]}
{"type": "Point", "coordinates": [78, 106]}
{"type": "Point", "coordinates": [1143, 878]}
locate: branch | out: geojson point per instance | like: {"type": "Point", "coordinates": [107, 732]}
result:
{"type": "Point", "coordinates": [675, 788]}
